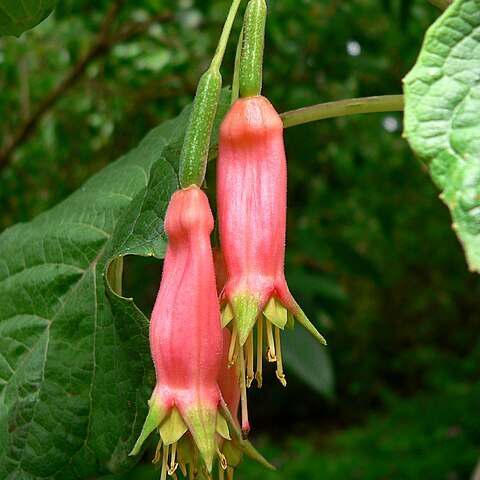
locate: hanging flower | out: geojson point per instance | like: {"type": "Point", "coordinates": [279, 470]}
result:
{"type": "Point", "coordinates": [186, 406]}
{"type": "Point", "coordinates": [251, 195]}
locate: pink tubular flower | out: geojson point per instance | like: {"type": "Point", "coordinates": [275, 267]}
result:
{"type": "Point", "coordinates": [251, 196]}
{"type": "Point", "coordinates": [186, 342]}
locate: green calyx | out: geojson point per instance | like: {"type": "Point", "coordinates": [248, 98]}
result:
{"type": "Point", "coordinates": [173, 427]}
{"type": "Point", "coordinates": [306, 323]}
{"type": "Point", "coordinates": [276, 313]}
{"type": "Point", "coordinates": [195, 148]}
{"type": "Point", "coordinates": [202, 424]}
{"type": "Point", "coordinates": [155, 416]}
{"type": "Point", "coordinates": [196, 144]}
{"type": "Point", "coordinates": [245, 309]}
{"type": "Point", "coordinates": [251, 61]}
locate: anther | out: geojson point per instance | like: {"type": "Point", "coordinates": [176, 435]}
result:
{"type": "Point", "coordinates": [231, 349]}
{"type": "Point", "coordinates": [173, 463]}
{"type": "Point", "coordinates": [156, 458]}
{"type": "Point", "coordinates": [279, 371]}
{"type": "Point", "coordinates": [222, 458]}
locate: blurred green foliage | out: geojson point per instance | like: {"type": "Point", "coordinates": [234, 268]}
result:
{"type": "Point", "coordinates": [371, 256]}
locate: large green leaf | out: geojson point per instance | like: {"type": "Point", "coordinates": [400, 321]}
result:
{"type": "Point", "coordinates": [16, 16]}
{"type": "Point", "coordinates": [308, 360]}
{"type": "Point", "coordinates": [442, 120]}
{"type": "Point", "coordinates": [75, 368]}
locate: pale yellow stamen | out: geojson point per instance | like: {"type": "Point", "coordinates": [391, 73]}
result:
{"type": "Point", "coordinates": [243, 391]}
{"type": "Point", "coordinates": [163, 474]}
{"type": "Point", "coordinates": [271, 356]}
{"type": "Point", "coordinates": [156, 458]}
{"type": "Point", "coordinates": [223, 459]}
{"type": "Point", "coordinates": [279, 371]}
{"type": "Point", "coordinates": [258, 374]}
{"type": "Point", "coordinates": [231, 349]}
{"type": "Point", "coordinates": [221, 472]}
{"type": "Point", "coordinates": [183, 467]}
{"type": "Point", "coordinates": [173, 463]}
{"type": "Point", "coordinates": [249, 351]}
{"type": "Point", "coordinates": [230, 473]}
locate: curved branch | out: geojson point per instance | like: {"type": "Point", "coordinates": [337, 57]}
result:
{"type": "Point", "coordinates": [352, 106]}
{"type": "Point", "coordinates": [103, 43]}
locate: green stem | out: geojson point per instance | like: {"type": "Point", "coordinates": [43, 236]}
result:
{"type": "Point", "coordinates": [236, 69]}
{"type": "Point", "coordinates": [352, 106]}
{"type": "Point", "coordinates": [227, 28]}
{"type": "Point", "coordinates": [196, 144]}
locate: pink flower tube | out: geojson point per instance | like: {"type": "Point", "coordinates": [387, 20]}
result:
{"type": "Point", "coordinates": [186, 341]}
{"type": "Point", "coordinates": [252, 201]}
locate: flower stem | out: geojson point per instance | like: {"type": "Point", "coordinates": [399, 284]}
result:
{"type": "Point", "coordinates": [196, 143]}
{"type": "Point", "coordinates": [227, 28]}
{"type": "Point", "coordinates": [236, 70]}
{"type": "Point", "coordinates": [352, 106]}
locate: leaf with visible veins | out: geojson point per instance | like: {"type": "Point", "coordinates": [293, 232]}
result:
{"type": "Point", "coordinates": [75, 366]}
{"type": "Point", "coordinates": [442, 116]}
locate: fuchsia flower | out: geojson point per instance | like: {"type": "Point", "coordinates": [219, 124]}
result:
{"type": "Point", "coordinates": [186, 342]}
{"type": "Point", "coordinates": [251, 196]}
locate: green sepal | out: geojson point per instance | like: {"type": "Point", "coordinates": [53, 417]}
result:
{"type": "Point", "coordinates": [226, 315]}
{"type": "Point", "coordinates": [222, 427]}
{"type": "Point", "coordinates": [254, 454]}
{"type": "Point", "coordinates": [304, 321]}
{"type": "Point", "coordinates": [154, 418]}
{"type": "Point", "coordinates": [233, 453]}
{"type": "Point", "coordinates": [276, 312]}
{"type": "Point", "coordinates": [201, 421]}
{"type": "Point", "coordinates": [246, 309]}
{"type": "Point", "coordinates": [290, 320]}
{"type": "Point", "coordinates": [173, 427]}
{"type": "Point", "coordinates": [233, 427]}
